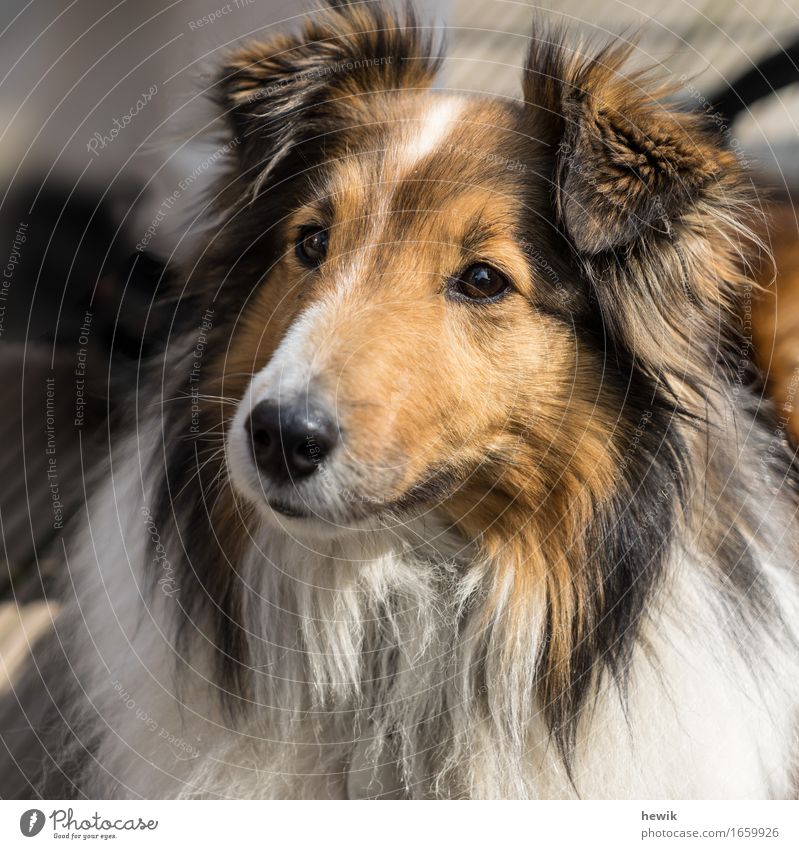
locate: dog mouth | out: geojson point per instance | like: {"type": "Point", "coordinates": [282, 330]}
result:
{"type": "Point", "coordinates": [363, 507]}
{"type": "Point", "coordinates": [338, 518]}
{"type": "Point", "coordinates": [289, 510]}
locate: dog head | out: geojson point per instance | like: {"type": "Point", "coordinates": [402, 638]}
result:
{"type": "Point", "coordinates": [426, 324]}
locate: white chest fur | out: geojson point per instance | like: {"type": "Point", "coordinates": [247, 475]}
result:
{"type": "Point", "coordinates": [382, 662]}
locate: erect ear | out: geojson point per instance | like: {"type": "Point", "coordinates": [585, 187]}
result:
{"type": "Point", "coordinates": [284, 93]}
{"type": "Point", "coordinates": [627, 164]}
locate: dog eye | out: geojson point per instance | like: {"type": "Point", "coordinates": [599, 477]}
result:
{"type": "Point", "coordinates": [479, 283]}
{"type": "Point", "coordinates": [311, 246]}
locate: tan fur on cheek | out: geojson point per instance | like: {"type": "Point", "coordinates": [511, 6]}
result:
{"type": "Point", "coordinates": [553, 459]}
{"type": "Point", "coordinates": [263, 322]}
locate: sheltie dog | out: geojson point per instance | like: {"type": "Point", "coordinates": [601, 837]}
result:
{"type": "Point", "coordinates": [457, 481]}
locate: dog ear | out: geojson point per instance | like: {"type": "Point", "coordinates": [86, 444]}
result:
{"type": "Point", "coordinates": [283, 93]}
{"type": "Point", "coordinates": [661, 216]}
{"type": "Point", "coordinates": [627, 165]}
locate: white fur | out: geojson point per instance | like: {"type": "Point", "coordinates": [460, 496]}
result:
{"type": "Point", "coordinates": [433, 128]}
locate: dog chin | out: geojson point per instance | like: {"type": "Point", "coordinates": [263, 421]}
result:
{"type": "Point", "coordinates": [304, 528]}
{"type": "Point", "coordinates": [313, 529]}
{"type": "Point", "coordinates": [298, 520]}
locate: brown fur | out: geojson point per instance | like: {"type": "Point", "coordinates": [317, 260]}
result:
{"type": "Point", "coordinates": [774, 316]}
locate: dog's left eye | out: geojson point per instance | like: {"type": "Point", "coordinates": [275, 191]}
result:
{"type": "Point", "coordinates": [311, 246]}
{"type": "Point", "coordinates": [479, 283]}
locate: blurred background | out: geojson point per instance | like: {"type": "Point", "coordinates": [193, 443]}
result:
{"type": "Point", "coordinates": [104, 149]}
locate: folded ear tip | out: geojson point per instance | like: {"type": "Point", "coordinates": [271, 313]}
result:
{"type": "Point", "coordinates": [295, 88]}
{"type": "Point", "coordinates": [627, 164]}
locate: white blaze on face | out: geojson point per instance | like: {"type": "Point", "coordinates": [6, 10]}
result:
{"type": "Point", "coordinates": [297, 358]}
{"type": "Point", "coordinates": [288, 373]}
{"type": "Point", "coordinates": [424, 134]}
{"type": "Point", "coordinates": [439, 120]}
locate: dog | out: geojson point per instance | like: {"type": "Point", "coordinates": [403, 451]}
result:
{"type": "Point", "coordinates": [460, 483]}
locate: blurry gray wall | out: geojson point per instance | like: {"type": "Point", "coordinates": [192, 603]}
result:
{"type": "Point", "coordinates": [72, 73]}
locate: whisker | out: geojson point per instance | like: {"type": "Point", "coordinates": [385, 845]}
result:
{"type": "Point", "coordinates": [200, 466]}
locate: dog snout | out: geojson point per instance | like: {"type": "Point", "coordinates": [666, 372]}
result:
{"type": "Point", "coordinates": [289, 441]}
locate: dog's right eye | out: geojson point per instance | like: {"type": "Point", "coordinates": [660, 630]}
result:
{"type": "Point", "coordinates": [311, 246]}
{"type": "Point", "coordinates": [479, 284]}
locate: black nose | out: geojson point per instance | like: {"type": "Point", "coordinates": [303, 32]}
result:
{"type": "Point", "coordinates": [289, 441]}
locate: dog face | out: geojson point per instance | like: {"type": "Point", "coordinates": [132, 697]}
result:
{"type": "Point", "coordinates": [426, 328]}
{"type": "Point", "coordinates": [396, 347]}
